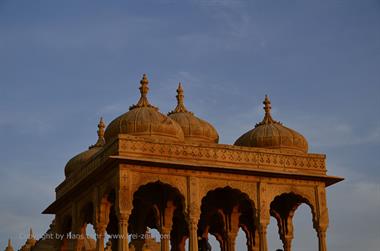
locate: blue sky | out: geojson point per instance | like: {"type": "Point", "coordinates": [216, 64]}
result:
{"type": "Point", "coordinates": [63, 64]}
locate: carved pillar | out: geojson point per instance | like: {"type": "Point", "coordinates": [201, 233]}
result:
{"type": "Point", "coordinates": [256, 239]}
{"type": "Point", "coordinates": [287, 243]}
{"type": "Point", "coordinates": [322, 220]}
{"type": "Point", "coordinates": [193, 229]}
{"type": "Point", "coordinates": [263, 215]}
{"type": "Point", "coordinates": [232, 228]}
{"type": "Point", "coordinates": [123, 207]}
{"type": "Point", "coordinates": [286, 231]}
{"type": "Point", "coordinates": [263, 237]}
{"type": "Point", "coordinates": [165, 239]}
{"type": "Point", "coordinates": [100, 230]}
{"type": "Point", "coordinates": [194, 212]}
{"type": "Point", "coordinates": [322, 239]}
{"type": "Point", "coordinates": [78, 238]}
{"type": "Point", "coordinates": [123, 232]}
{"type": "Point", "coordinates": [77, 228]}
{"type": "Point", "coordinates": [231, 237]}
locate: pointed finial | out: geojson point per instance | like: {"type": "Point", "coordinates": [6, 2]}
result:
{"type": "Point", "coordinates": [266, 103]}
{"type": "Point", "coordinates": [143, 102]}
{"type": "Point", "coordinates": [268, 117]}
{"type": "Point", "coordinates": [31, 236]}
{"type": "Point", "coordinates": [180, 101]}
{"type": "Point", "coordinates": [9, 247]}
{"type": "Point", "coordinates": [101, 141]}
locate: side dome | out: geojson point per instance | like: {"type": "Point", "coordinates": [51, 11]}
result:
{"type": "Point", "coordinates": [144, 120]}
{"type": "Point", "coordinates": [272, 134]}
{"type": "Point", "coordinates": [79, 160]}
{"type": "Point", "coordinates": [194, 128]}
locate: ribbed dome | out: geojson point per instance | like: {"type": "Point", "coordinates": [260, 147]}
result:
{"type": "Point", "coordinates": [194, 128]}
{"type": "Point", "coordinates": [144, 120]}
{"type": "Point", "coordinates": [79, 160]}
{"type": "Point", "coordinates": [272, 134]}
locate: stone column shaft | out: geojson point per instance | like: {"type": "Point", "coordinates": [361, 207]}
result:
{"type": "Point", "coordinates": [231, 241]}
{"type": "Point", "coordinates": [287, 243]}
{"type": "Point", "coordinates": [193, 239]}
{"type": "Point", "coordinates": [263, 238]}
{"type": "Point", "coordinates": [123, 234]}
{"type": "Point", "coordinates": [165, 239]}
{"type": "Point", "coordinates": [322, 240]}
{"type": "Point", "coordinates": [100, 233]}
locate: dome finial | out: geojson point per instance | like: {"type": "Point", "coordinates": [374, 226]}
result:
{"type": "Point", "coordinates": [268, 117]}
{"type": "Point", "coordinates": [31, 236]}
{"type": "Point", "coordinates": [180, 101]}
{"type": "Point", "coordinates": [143, 102]}
{"type": "Point", "coordinates": [267, 106]}
{"type": "Point", "coordinates": [101, 141]}
{"type": "Point", "coordinates": [9, 247]}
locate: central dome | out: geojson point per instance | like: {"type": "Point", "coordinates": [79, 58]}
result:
{"type": "Point", "coordinates": [144, 120]}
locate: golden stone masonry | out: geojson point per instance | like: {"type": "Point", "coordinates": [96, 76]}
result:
{"type": "Point", "coordinates": [168, 172]}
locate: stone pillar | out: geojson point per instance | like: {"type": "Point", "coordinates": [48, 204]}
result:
{"type": "Point", "coordinates": [100, 231]}
{"type": "Point", "coordinates": [78, 239]}
{"type": "Point", "coordinates": [256, 240]}
{"type": "Point", "coordinates": [193, 239]}
{"type": "Point", "coordinates": [165, 238]}
{"type": "Point", "coordinates": [321, 221]}
{"type": "Point", "coordinates": [231, 237]}
{"type": "Point", "coordinates": [263, 237]}
{"type": "Point", "coordinates": [287, 242]}
{"type": "Point", "coordinates": [321, 231]}
{"type": "Point", "coordinates": [123, 232]}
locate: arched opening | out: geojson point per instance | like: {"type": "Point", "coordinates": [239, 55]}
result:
{"type": "Point", "coordinates": [274, 242]}
{"type": "Point", "coordinates": [282, 209]}
{"type": "Point", "coordinates": [213, 242]}
{"type": "Point", "coordinates": [89, 238]}
{"type": "Point", "coordinates": [162, 207]}
{"type": "Point", "coordinates": [305, 238]}
{"type": "Point", "coordinates": [241, 243]}
{"type": "Point", "coordinates": [223, 212]}
{"type": "Point", "coordinates": [86, 236]}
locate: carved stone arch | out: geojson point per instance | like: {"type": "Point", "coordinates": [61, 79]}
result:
{"type": "Point", "coordinates": [86, 212]}
{"type": "Point", "coordinates": [179, 183]}
{"type": "Point", "coordinates": [223, 211]}
{"type": "Point", "coordinates": [248, 188]}
{"type": "Point", "coordinates": [308, 193]}
{"type": "Point", "coordinates": [105, 189]}
{"type": "Point", "coordinates": [161, 206]}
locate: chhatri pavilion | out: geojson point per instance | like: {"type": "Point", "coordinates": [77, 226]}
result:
{"type": "Point", "coordinates": [148, 170]}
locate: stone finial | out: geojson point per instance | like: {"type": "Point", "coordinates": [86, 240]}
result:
{"type": "Point", "coordinates": [143, 101]}
{"type": "Point", "coordinates": [101, 141]}
{"type": "Point", "coordinates": [31, 235]}
{"type": "Point", "coordinates": [268, 117]}
{"type": "Point", "coordinates": [9, 247]}
{"type": "Point", "coordinates": [180, 101]}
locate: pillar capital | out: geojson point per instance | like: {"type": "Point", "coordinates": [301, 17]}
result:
{"type": "Point", "coordinates": [123, 216]}
{"type": "Point", "coordinates": [100, 228]}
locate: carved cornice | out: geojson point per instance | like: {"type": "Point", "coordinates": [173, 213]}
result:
{"type": "Point", "coordinates": [223, 156]}
{"type": "Point", "coordinates": [208, 155]}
